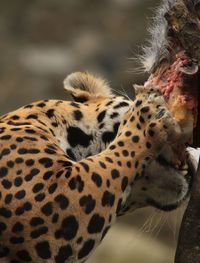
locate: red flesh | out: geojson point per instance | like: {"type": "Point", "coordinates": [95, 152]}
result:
{"type": "Point", "coordinates": [179, 81]}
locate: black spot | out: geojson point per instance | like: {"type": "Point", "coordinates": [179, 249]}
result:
{"type": "Point", "coordinates": [107, 137]}
{"type": "Point", "coordinates": [86, 249]}
{"type": "Point", "coordinates": [76, 183]}
{"type": "Point", "coordinates": [2, 227]}
{"type": "Point", "coordinates": [47, 175]}
{"type": "Point", "coordinates": [13, 146]}
{"type": "Point", "coordinates": [15, 129]}
{"type": "Point", "coordinates": [5, 137]}
{"type": "Point", "coordinates": [124, 183]}
{"type": "Point", "coordinates": [19, 211]}
{"type": "Point", "coordinates": [41, 105]}
{"type": "Point", "coordinates": [148, 145]}
{"type": "Point", "coordinates": [78, 137]}
{"type": "Point", "coordinates": [43, 250]}
{"type": "Point", "coordinates": [95, 224]}
{"type": "Point", "coordinates": [102, 165]}
{"type": "Point", "coordinates": [71, 154]}
{"type": "Point", "coordinates": [129, 164]}
{"type": "Point", "coordinates": [145, 109]}
{"type": "Point", "coordinates": [24, 255]}
{"type": "Point", "coordinates": [96, 178]}
{"type": "Point", "coordinates": [78, 115]}
{"type": "Point", "coordinates": [8, 198]}
{"type": "Point", "coordinates": [32, 173]}
{"type": "Point", "coordinates": [20, 194]}
{"type": "Point", "coordinates": [141, 119]}
{"type": "Point", "coordinates": [47, 209]}
{"type": "Point", "coordinates": [15, 117]}
{"type": "Point", "coordinates": [63, 254]}
{"type": "Point", "coordinates": [37, 187]}
{"type": "Point", "coordinates": [18, 181]}
{"type": "Point", "coordinates": [36, 221]}
{"type": "Point", "coordinates": [108, 159]}
{"type": "Point", "coordinates": [39, 232]}
{"type": "Point", "coordinates": [27, 206]}
{"type": "Point", "coordinates": [33, 151]}
{"type": "Point", "coordinates": [79, 240]}
{"type": "Point", "coordinates": [135, 139]}
{"type": "Point", "coordinates": [19, 160]}
{"type": "Point", "coordinates": [114, 115]}
{"type": "Point", "coordinates": [108, 183]}
{"type": "Point", "coordinates": [138, 126]}
{"type": "Point", "coordinates": [10, 164]}
{"type": "Point", "coordinates": [50, 113]}
{"type": "Point", "coordinates": [19, 172]}
{"type": "Point", "coordinates": [115, 173]}
{"type": "Point", "coordinates": [136, 164]}
{"type": "Point", "coordinates": [62, 200]}
{"type": "Point", "coordinates": [40, 197]}
{"type": "Point", "coordinates": [151, 133]}
{"type": "Point", "coordinates": [121, 143]}
{"type": "Point", "coordinates": [46, 162]}
{"type": "Point", "coordinates": [101, 116]}
{"type": "Point", "coordinates": [52, 188]}
{"type": "Point", "coordinates": [109, 103]}
{"type": "Point", "coordinates": [6, 184]}
{"type": "Point", "coordinates": [65, 163]}
{"type": "Point", "coordinates": [125, 153]}
{"type": "Point", "coordinates": [75, 105]}
{"type": "Point", "coordinates": [101, 126]}
{"type": "Point", "coordinates": [69, 228]}
{"type": "Point", "coordinates": [29, 162]}
{"type": "Point", "coordinates": [59, 174]}
{"type": "Point", "coordinates": [88, 203]}
{"type": "Point", "coordinates": [19, 139]}
{"type": "Point", "coordinates": [55, 218]}
{"type": "Point", "coordinates": [16, 240]}
{"type": "Point", "coordinates": [30, 131]}
{"type": "Point", "coordinates": [18, 123]}
{"type": "Point", "coordinates": [85, 166]}
{"type": "Point", "coordinates": [121, 104]}
{"type": "Point", "coordinates": [32, 116]}
{"type": "Point", "coordinates": [108, 199]}
{"type": "Point", "coordinates": [132, 154]}
{"type": "Point", "coordinates": [80, 99]}
{"type": "Point", "coordinates": [138, 103]}
{"type": "Point", "coordinates": [22, 151]}
{"type": "Point", "coordinates": [3, 171]}
{"type": "Point", "coordinates": [5, 212]}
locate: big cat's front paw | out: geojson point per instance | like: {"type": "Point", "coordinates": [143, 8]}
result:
{"type": "Point", "coordinates": [163, 129]}
{"type": "Point", "coordinates": [160, 127]}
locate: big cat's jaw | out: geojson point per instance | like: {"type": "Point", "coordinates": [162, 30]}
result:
{"type": "Point", "coordinates": [173, 186]}
{"type": "Point", "coordinates": [163, 186]}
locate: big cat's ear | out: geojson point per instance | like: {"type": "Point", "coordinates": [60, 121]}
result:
{"type": "Point", "coordinates": [83, 86]}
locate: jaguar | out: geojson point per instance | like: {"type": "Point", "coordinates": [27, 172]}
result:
{"type": "Point", "coordinates": [69, 169]}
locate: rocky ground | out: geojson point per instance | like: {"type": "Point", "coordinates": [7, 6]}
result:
{"type": "Point", "coordinates": [43, 41]}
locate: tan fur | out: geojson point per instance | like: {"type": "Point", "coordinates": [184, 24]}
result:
{"type": "Point", "coordinates": [95, 189]}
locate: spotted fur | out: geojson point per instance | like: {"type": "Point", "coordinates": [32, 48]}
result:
{"type": "Point", "coordinates": [69, 169]}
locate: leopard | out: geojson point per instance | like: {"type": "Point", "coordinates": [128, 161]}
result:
{"type": "Point", "coordinates": [69, 169]}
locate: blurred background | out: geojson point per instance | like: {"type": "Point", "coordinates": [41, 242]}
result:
{"type": "Point", "coordinates": [42, 41]}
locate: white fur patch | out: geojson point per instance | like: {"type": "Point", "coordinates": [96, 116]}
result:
{"type": "Point", "coordinates": [156, 48]}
